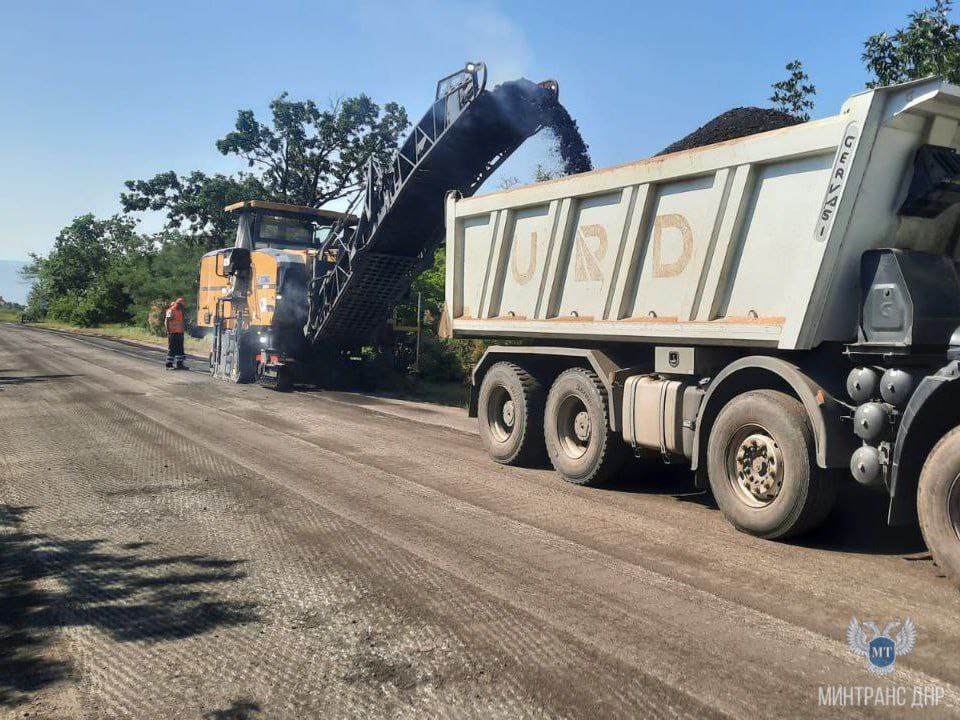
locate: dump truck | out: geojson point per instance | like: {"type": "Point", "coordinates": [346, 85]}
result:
{"type": "Point", "coordinates": [776, 311]}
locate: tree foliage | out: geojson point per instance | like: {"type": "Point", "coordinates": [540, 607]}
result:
{"type": "Point", "coordinates": [541, 173]}
{"type": "Point", "coordinates": [104, 271]}
{"type": "Point", "coordinates": [78, 280]}
{"type": "Point", "coordinates": [312, 156]}
{"type": "Point", "coordinates": [928, 45]}
{"type": "Point", "coordinates": [794, 94]}
{"type": "Point", "coordinates": [167, 271]}
{"type": "Point", "coordinates": [193, 203]}
{"type": "Point", "coordinates": [83, 250]}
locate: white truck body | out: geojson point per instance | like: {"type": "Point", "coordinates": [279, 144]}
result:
{"type": "Point", "coordinates": [755, 241]}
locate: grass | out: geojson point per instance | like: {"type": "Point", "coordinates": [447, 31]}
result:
{"type": "Point", "coordinates": [10, 315]}
{"type": "Point", "coordinates": [133, 333]}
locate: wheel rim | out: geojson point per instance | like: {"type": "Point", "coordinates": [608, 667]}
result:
{"type": "Point", "coordinates": [953, 505]}
{"type": "Point", "coordinates": [755, 466]}
{"type": "Point", "coordinates": [501, 414]}
{"type": "Point", "coordinates": [574, 429]}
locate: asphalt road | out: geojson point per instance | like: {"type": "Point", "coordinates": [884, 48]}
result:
{"type": "Point", "coordinates": [175, 547]}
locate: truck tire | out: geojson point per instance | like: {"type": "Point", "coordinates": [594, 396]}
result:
{"type": "Point", "coordinates": [938, 504]}
{"type": "Point", "coordinates": [510, 412]}
{"type": "Point", "coordinates": [581, 446]}
{"type": "Point", "coordinates": [762, 467]}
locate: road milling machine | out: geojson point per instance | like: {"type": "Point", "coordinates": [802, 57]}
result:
{"type": "Point", "coordinates": [303, 290]}
{"type": "Point", "coordinates": [253, 296]}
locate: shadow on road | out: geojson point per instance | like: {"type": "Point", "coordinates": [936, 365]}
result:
{"type": "Point", "coordinates": [241, 709]}
{"type": "Point", "coordinates": [858, 523]}
{"type": "Point", "coordinates": [24, 379]}
{"type": "Point", "coordinates": [130, 594]}
{"type": "Point", "coordinates": [652, 477]}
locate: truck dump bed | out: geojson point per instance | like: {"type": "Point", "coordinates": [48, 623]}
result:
{"type": "Point", "coordinates": [755, 241]}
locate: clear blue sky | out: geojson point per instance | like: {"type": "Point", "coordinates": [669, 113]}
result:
{"type": "Point", "coordinates": [96, 93]}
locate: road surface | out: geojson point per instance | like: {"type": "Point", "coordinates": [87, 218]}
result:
{"type": "Point", "coordinates": [175, 547]}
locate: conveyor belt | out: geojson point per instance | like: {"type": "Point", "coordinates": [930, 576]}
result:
{"type": "Point", "coordinates": [464, 137]}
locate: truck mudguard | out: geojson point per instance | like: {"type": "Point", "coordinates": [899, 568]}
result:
{"type": "Point", "coordinates": [835, 441]}
{"type": "Point", "coordinates": [921, 426]}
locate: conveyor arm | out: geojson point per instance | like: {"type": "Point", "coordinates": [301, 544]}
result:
{"type": "Point", "coordinates": [469, 131]}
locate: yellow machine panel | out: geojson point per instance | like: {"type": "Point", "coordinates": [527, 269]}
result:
{"type": "Point", "coordinates": [262, 298]}
{"type": "Point", "coordinates": [213, 286]}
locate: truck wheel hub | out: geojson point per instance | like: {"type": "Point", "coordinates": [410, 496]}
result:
{"type": "Point", "coordinates": [508, 413]}
{"type": "Point", "coordinates": [581, 426]}
{"type": "Point", "coordinates": [501, 415]}
{"type": "Point", "coordinates": [573, 427]}
{"type": "Point", "coordinates": [759, 468]}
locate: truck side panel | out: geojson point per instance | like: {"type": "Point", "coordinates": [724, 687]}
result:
{"type": "Point", "coordinates": [680, 246]}
{"type": "Point", "coordinates": [755, 241]}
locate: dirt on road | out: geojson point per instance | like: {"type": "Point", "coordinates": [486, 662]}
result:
{"type": "Point", "coordinates": [175, 547]}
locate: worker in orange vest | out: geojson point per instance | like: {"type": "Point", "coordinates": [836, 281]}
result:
{"type": "Point", "coordinates": [175, 323]}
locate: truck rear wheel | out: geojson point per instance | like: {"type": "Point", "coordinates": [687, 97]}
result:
{"type": "Point", "coordinates": [938, 504]}
{"type": "Point", "coordinates": [581, 446]}
{"type": "Point", "coordinates": [510, 411]}
{"type": "Point", "coordinates": [763, 473]}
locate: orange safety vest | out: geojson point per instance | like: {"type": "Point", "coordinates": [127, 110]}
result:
{"type": "Point", "coordinates": [174, 319]}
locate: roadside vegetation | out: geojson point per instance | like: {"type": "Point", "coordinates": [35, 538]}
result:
{"type": "Point", "coordinates": [130, 333]}
{"type": "Point", "coordinates": [104, 274]}
{"type": "Point", "coordinates": [10, 311]}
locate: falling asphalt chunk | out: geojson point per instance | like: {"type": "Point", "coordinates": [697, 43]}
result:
{"type": "Point", "coordinates": [735, 123]}
{"type": "Point", "coordinates": [521, 101]}
{"type": "Point", "coordinates": [570, 145]}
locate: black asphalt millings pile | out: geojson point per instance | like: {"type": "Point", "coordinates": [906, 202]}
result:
{"type": "Point", "coordinates": [735, 123]}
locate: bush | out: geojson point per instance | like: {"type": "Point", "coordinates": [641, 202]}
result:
{"type": "Point", "coordinates": [439, 361]}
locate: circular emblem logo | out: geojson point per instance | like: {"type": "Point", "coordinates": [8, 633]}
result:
{"type": "Point", "coordinates": [882, 652]}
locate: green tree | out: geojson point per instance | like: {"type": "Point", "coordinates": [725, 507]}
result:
{"type": "Point", "coordinates": [167, 271]}
{"type": "Point", "coordinates": [430, 284]}
{"type": "Point", "coordinates": [312, 156]}
{"type": "Point", "coordinates": [104, 271]}
{"type": "Point", "coordinates": [794, 94]}
{"type": "Point", "coordinates": [193, 203]}
{"type": "Point", "coordinates": [83, 251]}
{"type": "Point", "coordinates": [543, 173]}
{"type": "Point", "coordinates": [80, 279]}
{"type": "Point", "coordinates": [928, 45]}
